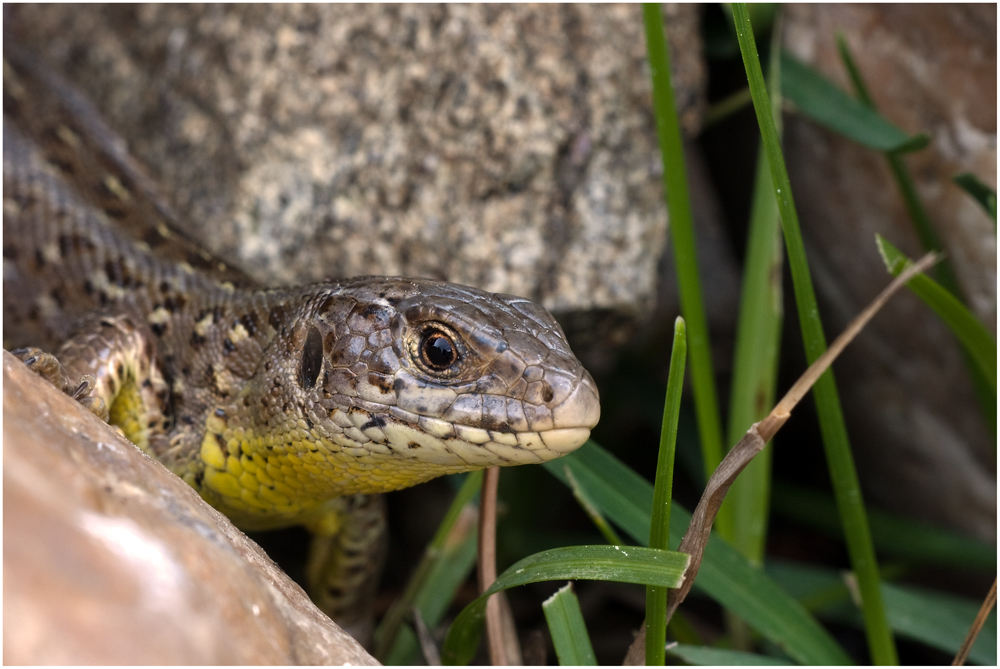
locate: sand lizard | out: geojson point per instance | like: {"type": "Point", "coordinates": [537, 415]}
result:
{"type": "Point", "coordinates": [280, 406]}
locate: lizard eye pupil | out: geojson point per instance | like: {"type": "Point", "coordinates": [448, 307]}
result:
{"type": "Point", "coordinates": [438, 350]}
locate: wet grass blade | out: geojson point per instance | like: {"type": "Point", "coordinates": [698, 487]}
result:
{"type": "Point", "coordinates": [983, 194]}
{"type": "Point", "coordinates": [682, 235]}
{"type": "Point", "coordinates": [622, 564]}
{"type": "Point", "coordinates": [659, 531]}
{"type": "Point", "coordinates": [909, 540]}
{"type": "Point", "coordinates": [819, 99]}
{"type": "Point", "coordinates": [973, 335]}
{"type": "Point", "coordinates": [626, 498]}
{"type": "Point", "coordinates": [836, 445]}
{"type": "Point", "coordinates": [758, 340]}
{"type": "Point", "coordinates": [932, 618]}
{"type": "Point", "coordinates": [568, 631]}
{"type": "Point", "coordinates": [720, 657]}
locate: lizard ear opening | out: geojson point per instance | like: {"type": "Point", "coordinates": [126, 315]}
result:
{"type": "Point", "coordinates": [312, 359]}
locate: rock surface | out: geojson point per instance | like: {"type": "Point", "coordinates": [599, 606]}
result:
{"type": "Point", "coordinates": [108, 558]}
{"type": "Point", "coordinates": [510, 147]}
{"type": "Point", "coordinates": [904, 384]}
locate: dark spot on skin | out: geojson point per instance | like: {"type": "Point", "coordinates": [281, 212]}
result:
{"type": "Point", "coordinates": [380, 381]}
{"type": "Point", "coordinates": [376, 421]}
{"type": "Point", "coordinates": [196, 340]}
{"type": "Point", "coordinates": [158, 328]}
{"type": "Point", "coordinates": [153, 238]}
{"type": "Point", "coordinates": [74, 245]}
{"type": "Point", "coordinates": [547, 392]}
{"type": "Point", "coordinates": [63, 166]}
{"type": "Point", "coordinates": [188, 420]}
{"type": "Point", "coordinates": [370, 311]}
{"type": "Point", "coordinates": [88, 287]}
{"type": "Point", "coordinates": [311, 362]}
{"type": "Point", "coordinates": [58, 295]}
{"type": "Point", "coordinates": [164, 287]}
{"type": "Point", "coordinates": [115, 211]}
{"type": "Point", "coordinates": [309, 424]}
{"type": "Point", "coordinates": [277, 317]}
{"type": "Point", "coordinates": [174, 303]}
{"type": "Point", "coordinates": [228, 346]}
{"type": "Point", "coordinates": [146, 383]}
{"type": "Point", "coordinates": [249, 322]}
{"type": "Point", "coordinates": [39, 259]}
{"type": "Point", "coordinates": [504, 427]}
{"type": "Point", "coordinates": [413, 444]}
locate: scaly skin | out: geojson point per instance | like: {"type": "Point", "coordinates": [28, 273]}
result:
{"type": "Point", "coordinates": [270, 403]}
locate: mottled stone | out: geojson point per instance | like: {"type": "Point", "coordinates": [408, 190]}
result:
{"type": "Point", "coordinates": [509, 147]}
{"type": "Point", "coordinates": [917, 431]}
{"type": "Point", "coordinates": [108, 558]}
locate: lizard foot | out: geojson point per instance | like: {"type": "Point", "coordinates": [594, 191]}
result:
{"type": "Point", "coordinates": [49, 368]}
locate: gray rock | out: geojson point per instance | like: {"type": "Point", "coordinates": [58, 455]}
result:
{"type": "Point", "coordinates": [507, 147]}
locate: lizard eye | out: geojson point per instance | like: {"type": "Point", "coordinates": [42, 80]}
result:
{"type": "Point", "coordinates": [438, 349]}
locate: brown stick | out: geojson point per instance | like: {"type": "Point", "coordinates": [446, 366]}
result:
{"type": "Point", "coordinates": [977, 624]}
{"type": "Point", "coordinates": [488, 566]}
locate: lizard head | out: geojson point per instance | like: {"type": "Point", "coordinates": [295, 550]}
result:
{"type": "Point", "coordinates": [459, 376]}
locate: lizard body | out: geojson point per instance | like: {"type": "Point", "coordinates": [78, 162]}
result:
{"type": "Point", "coordinates": [280, 406]}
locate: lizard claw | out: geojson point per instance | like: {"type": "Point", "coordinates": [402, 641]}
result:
{"type": "Point", "coordinates": [49, 368]}
{"type": "Point", "coordinates": [92, 403]}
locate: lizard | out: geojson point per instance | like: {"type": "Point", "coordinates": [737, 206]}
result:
{"type": "Point", "coordinates": [279, 406]}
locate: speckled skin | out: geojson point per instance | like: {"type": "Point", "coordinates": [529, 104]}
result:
{"type": "Point", "coordinates": [271, 403]}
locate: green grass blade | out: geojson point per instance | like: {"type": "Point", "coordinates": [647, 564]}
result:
{"type": "Point", "coordinates": [682, 233]}
{"type": "Point", "coordinates": [938, 620]}
{"type": "Point", "coordinates": [626, 499]}
{"type": "Point", "coordinates": [623, 564]}
{"type": "Point", "coordinates": [910, 540]}
{"type": "Point", "coordinates": [835, 440]}
{"type": "Point", "coordinates": [758, 339]}
{"type": "Point", "coordinates": [568, 631]}
{"type": "Point", "coordinates": [983, 194]}
{"type": "Point", "coordinates": [819, 99]}
{"type": "Point", "coordinates": [659, 531]}
{"type": "Point", "coordinates": [701, 656]}
{"type": "Point", "coordinates": [973, 335]}
{"type": "Point", "coordinates": [446, 564]}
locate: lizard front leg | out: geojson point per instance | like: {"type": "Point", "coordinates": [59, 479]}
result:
{"type": "Point", "coordinates": [108, 366]}
{"type": "Point", "coordinates": [345, 560]}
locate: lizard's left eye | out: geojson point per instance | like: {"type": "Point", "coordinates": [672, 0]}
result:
{"type": "Point", "coordinates": [438, 350]}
